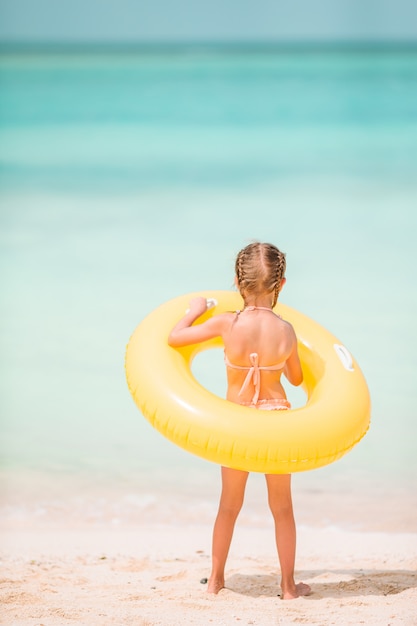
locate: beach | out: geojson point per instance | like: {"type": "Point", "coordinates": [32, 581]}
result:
{"type": "Point", "coordinates": [131, 178]}
{"type": "Point", "coordinates": [139, 558]}
{"type": "Point", "coordinates": [151, 575]}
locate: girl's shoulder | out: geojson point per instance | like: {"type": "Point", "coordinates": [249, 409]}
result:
{"type": "Point", "coordinates": [227, 316]}
{"type": "Point", "coordinates": [224, 321]}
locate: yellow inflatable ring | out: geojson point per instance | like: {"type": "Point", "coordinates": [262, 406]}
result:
{"type": "Point", "coordinates": [335, 417]}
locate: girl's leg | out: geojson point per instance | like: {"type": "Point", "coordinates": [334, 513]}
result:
{"type": "Point", "coordinates": [280, 503]}
{"type": "Point", "coordinates": [231, 500]}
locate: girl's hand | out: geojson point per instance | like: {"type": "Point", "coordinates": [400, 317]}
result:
{"type": "Point", "coordinates": [198, 306]}
{"type": "Point", "coordinates": [185, 333]}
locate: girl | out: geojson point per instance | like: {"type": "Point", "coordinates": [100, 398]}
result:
{"type": "Point", "coordinates": [258, 346]}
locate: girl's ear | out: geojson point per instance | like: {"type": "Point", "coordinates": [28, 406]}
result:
{"type": "Point", "coordinates": [236, 283]}
{"type": "Point", "coordinates": [283, 281]}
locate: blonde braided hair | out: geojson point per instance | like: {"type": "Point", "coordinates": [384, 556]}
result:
{"type": "Point", "coordinates": [260, 268]}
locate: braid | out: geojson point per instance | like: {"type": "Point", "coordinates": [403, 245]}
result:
{"type": "Point", "coordinates": [239, 266]}
{"type": "Point", "coordinates": [280, 272]}
{"type": "Point", "coordinates": [276, 288]}
{"type": "Point", "coordinates": [260, 268]}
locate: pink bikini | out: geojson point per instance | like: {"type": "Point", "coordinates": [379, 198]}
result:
{"type": "Point", "coordinates": [254, 376]}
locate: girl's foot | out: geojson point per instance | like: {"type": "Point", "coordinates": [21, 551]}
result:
{"type": "Point", "coordinates": [215, 585]}
{"type": "Point", "coordinates": [301, 589]}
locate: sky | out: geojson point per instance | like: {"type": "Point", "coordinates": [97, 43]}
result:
{"type": "Point", "coordinates": [203, 20]}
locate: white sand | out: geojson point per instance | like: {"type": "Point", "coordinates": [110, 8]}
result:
{"type": "Point", "coordinates": [78, 552]}
{"type": "Point", "coordinates": [151, 575]}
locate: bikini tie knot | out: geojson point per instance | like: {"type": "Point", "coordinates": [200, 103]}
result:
{"type": "Point", "coordinates": [253, 376]}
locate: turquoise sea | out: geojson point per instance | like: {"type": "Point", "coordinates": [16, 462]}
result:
{"type": "Point", "coordinates": [130, 176]}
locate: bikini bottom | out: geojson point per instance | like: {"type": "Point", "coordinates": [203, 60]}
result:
{"type": "Point", "coordinates": [269, 404]}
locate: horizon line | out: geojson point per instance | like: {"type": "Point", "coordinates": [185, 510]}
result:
{"type": "Point", "coordinates": [241, 45]}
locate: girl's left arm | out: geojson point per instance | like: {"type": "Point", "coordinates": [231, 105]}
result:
{"type": "Point", "coordinates": [292, 369]}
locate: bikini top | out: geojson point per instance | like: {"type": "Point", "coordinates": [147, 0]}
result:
{"type": "Point", "coordinates": [254, 370]}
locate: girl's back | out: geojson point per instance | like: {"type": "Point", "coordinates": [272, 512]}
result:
{"type": "Point", "coordinates": [257, 331]}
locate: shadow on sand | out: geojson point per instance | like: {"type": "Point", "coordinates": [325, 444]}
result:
{"type": "Point", "coordinates": [329, 583]}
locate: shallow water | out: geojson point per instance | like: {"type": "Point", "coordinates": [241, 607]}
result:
{"type": "Point", "coordinates": [129, 179]}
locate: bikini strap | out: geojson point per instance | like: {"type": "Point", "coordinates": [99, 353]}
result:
{"type": "Point", "coordinates": [254, 373]}
{"type": "Point", "coordinates": [252, 376]}
{"type": "Point", "coordinates": [256, 308]}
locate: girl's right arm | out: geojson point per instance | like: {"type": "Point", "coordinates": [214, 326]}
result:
{"type": "Point", "coordinates": [184, 333]}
